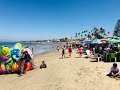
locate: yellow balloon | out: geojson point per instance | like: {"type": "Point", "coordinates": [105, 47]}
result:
{"type": "Point", "coordinates": [20, 46]}
{"type": "Point", "coordinates": [3, 66]}
{"type": "Point", "coordinates": [6, 51]}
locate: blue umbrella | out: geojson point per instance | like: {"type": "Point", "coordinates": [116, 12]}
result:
{"type": "Point", "coordinates": [98, 41]}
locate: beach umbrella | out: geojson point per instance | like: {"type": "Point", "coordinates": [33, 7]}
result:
{"type": "Point", "coordinates": [104, 40]}
{"type": "Point", "coordinates": [79, 42]}
{"type": "Point", "coordinates": [109, 37]}
{"type": "Point", "coordinates": [113, 40]}
{"type": "Point", "coordinates": [29, 52]}
{"type": "Point", "coordinates": [97, 41]}
{"type": "Point", "coordinates": [87, 41]}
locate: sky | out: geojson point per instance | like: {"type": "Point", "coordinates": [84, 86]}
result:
{"type": "Point", "coordinates": [48, 19]}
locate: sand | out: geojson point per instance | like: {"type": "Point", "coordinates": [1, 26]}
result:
{"type": "Point", "coordinates": [63, 74]}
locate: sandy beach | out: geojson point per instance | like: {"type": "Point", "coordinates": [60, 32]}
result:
{"type": "Point", "coordinates": [63, 74]}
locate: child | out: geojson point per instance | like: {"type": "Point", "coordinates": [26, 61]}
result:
{"type": "Point", "coordinates": [80, 50]}
{"type": "Point", "coordinates": [114, 71]}
{"type": "Point", "coordinates": [43, 65]}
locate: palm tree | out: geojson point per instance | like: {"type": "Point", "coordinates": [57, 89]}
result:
{"type": "Point", "coordinates": [102, 31]}
{"type": "Point", "coordinates": [108, 32]}
{"type": "Point", "coordinates": [81, 35]}
{"type": "Point", "coordinates": [88, 36]}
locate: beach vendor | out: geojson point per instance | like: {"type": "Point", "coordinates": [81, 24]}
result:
{"type": "Point", "coordinates": [24, 59]}
{"type": "Point", "coordinates": [115, 71]}
{"type": "Point", "coordinates": [31, 55]}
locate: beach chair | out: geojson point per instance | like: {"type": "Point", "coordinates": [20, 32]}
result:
{"type": "Point", "coordinates": [97, 56]}
{"type": "Point", "coordinates": [112, 56]}
{"type": "Point", "coordinates": [118, 57]}
{"type": "Point", "coordinates": [88, 53]}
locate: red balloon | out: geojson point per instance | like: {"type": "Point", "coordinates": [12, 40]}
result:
{"type": "Point", "coordinates": [28, 66]}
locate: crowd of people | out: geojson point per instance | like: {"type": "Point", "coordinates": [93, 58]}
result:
{"type": "Point", "coordinates": [92, 49]}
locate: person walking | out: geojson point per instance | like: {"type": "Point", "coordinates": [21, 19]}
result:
{"type": "Point", "coordinates": [70, 50]}
{"type": "Point", "coordinates": [63, 51]}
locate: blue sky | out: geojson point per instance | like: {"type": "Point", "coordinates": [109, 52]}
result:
{"type": "Point", "coordinates": [47, 19]}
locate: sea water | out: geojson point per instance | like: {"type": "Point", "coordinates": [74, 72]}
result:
{"type": "Point", "coordinates": [38, 48]}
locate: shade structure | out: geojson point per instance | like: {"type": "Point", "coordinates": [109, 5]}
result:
{"type": "Point", "coordinates": [114, 40]}
{"type": "Point", "coordinates": [96, 41]}
{"type": "Point", "coordinates": [104, 40]}
{"type": "Point", "coordinates": [79, 42]}
{"type": "Point", "coordinates": [87, 41]}
{"type": "Point", "coordinates": [109, 37]}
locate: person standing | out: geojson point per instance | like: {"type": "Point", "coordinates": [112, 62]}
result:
{"type": "Point", "coordinates": [58, 48]}
{"type": "Point", "coordinates": [63, 51]}
{"type": "Point", "coordinates": [70, 50]}
{"type": "Point", "coordinates": [80, 50]}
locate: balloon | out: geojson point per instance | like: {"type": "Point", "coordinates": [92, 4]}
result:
{"type": "Point", "coordinates": [16, 53]}
{"type": "Point", "coordinates": [4, 57]}
{"type": "Point", "coordinates": [20, 46]}
{"type": "Point", "coordinates": [3, 67]}
{"type": "Point", "coordinates": [4, 50]}
{"type": "Point", "coordinates": [1, 50]}
{"type": "Point", "coordinates": [16, 66]}
{"type": "Point", "coordinates": [1, 72]}
{"type": "Point", "coordinates": [28, 66]}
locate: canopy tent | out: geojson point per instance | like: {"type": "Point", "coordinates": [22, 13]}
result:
{"type": "Point", "coordinates": [73, 42]}
{"type": "Point", "coordinates": [98, 41]}
{"type": "Point", "coordinates": [104, 40]}
{"type": "Point", "coordinates": [87, 41]}
{"type": "Point", "coordinates": [109, 37]}
{"type": "Point", "coordinates": [114, 40]}
{"type": "Point", "coordinates": [79, 42]}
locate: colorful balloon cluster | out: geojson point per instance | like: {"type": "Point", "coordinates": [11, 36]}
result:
{"type": "Point", "coordinates": [10, 59]}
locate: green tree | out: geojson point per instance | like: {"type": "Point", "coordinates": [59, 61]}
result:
{"type": "Point", "coordinates": [102, 31]}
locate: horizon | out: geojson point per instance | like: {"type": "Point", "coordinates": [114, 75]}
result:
{"type": "Point", "coordinates": [49, 19]}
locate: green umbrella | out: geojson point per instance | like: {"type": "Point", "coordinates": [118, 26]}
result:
{"type": "Point", "coordinates": [114, 40]}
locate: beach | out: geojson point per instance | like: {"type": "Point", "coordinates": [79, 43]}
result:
{"type": "Point", "coordinates": [63, 74]}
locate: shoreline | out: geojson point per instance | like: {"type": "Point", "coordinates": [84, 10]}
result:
{"type": "Point", "coordinates": [43, 53]}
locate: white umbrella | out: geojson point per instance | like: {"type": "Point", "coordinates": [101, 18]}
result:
{"type": "Point", "coordinates": [29, 52]}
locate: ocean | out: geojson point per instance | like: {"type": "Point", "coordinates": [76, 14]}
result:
{"type": "Point", "coordinates": [38, 48]}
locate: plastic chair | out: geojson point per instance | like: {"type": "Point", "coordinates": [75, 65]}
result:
{"type": "Point", "coordinates": [96, 57]}
{"type": "Point", "coordinates": [113, 56]}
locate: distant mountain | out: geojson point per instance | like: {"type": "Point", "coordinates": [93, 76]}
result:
{"type": "Point", "coordinates": [117, 28]}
